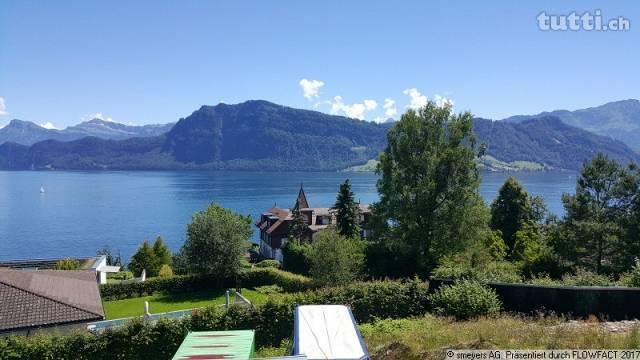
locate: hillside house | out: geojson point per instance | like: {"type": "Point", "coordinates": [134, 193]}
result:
{"type": "Point", "coordinates": [275, 223]}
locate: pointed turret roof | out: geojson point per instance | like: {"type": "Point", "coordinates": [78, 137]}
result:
{"type": "Point", "coordinates": [301, 201]}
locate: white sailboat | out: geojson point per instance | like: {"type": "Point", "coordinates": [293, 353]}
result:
{"type": "Point", "coordinates": [41, 189]}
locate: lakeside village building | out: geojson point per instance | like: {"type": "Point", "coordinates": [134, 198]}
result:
{"type": "Point", "coordinates": [275, 224]}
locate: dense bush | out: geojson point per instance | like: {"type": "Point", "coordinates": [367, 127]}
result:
{"type": "Point", "coordinates": [632, 277]}
{"type": "Point", "coordinates": [185, 283]}
{"type": "Point", "coordinates": [500, 271]}
{"type": "Point", "coordinates": [269, 276]}
{"type": "Point", "coordinates": [120, 275]}
{"type": "Point", "coordinates": [465, 299]}
{"type": "Point", "coordinates": [583, 277]}
{"type": "Point", "coordinates": [175, 284]}
{"type": "Point", "coordinates": [371, 300]}
{"type": "Point", "coordinates": [165, 271]}
{"type": "Point", "coordinates": [268, 264]}
{"type": "Point", "coordinates": [67, 264]}
{"type": "Point", "coordinates": [296, 258]}
{"type": "Point", "coordinates": [272, 321]}
{"type": "Point", "coordinates": [335, 259]}
{"type": "Point", "coordinates": [544, 280]}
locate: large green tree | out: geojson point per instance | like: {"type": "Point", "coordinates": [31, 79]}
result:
{"type": "Point", "coordinates": [298, 227]}
{"type": "Point", "coordinates": [429, 199]}
{"type": "Point", "coordinates": [217, 238]}
{"type": "Point", "coordinates": [162, 252]}
{"type": "Point", "coordinates": [150, 258]}
{"type": "Point", "coordinates": [335, 259]}
{"type": "Point", "coordinates": [512, 209]}
{"type": "Point", "coordinates": [144, 258]}
{"type": "Point", "coordinates": [593, 231]}
{"type": "Point", "coordinates": [347, 211]}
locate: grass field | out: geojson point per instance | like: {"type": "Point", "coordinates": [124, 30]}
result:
{"type": "Point", "coordinates": [162, 303]}
{"type": "Point", "coordinates": [428, 337]}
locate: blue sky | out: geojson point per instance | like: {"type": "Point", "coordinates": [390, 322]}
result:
{"type": "Point", "coordinates": [156, 61]}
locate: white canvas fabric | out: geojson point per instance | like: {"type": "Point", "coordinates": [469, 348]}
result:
{"type": "Point", "coordinates": [327, 332]}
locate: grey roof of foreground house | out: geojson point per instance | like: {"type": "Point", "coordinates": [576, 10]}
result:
{"type": "Point", "coordinates": [31, 299]}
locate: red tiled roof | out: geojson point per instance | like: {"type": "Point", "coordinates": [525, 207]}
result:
{"type": "Point", "coordinates": [47, 297]}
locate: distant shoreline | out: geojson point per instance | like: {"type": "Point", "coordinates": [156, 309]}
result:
{"type": "Point", "coordinates": [486, 163]}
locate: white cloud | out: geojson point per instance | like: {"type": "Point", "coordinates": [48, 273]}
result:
{"type": "Point", "coordinates": [311, 88]}
{"type": "Point", "coordinates": [3, 107]}
{"type": "Point", "coordinates": [417, 99]}
{"type": "Point", "coordinates": [390, 110]}
{"type": "Point", "coordinates": [442, 101]}
{"type": "Point", "coordinates": [49, 125]}
{"type": "Point", "coordinates": [356, 111]}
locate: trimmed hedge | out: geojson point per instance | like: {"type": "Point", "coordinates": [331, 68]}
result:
{"type": "Point", "coordinates": [272, 321]}
{"type": "Point", "coordinates": [187, 283]}
{"type": "Point", "coordinates": [269, 263]}
{"type": "Point", "coordinates": [120, 275]}
{"type": "Point", "coordinates": [374, 300]}
{"type": "Point", "coordinates": [289, 282]}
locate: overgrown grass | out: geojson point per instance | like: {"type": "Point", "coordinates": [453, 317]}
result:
{"type": "Point", "coordinates": [159, 303]}
{"type": "Point", "coordinates": [427, 337]}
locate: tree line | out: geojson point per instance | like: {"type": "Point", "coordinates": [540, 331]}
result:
{"type": "Point", "coordinates": [431, 214]}
{"type": "Point", "coordinates": [431, 220]}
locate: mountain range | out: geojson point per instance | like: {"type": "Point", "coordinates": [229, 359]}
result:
{"type": "Point", "coordinates": [548, 141]}
{"type": "Point", "coordinates": [619, 120]}
{"type": "Point", "coordinates": [29, 133]}
{"type": "Point", "coordinates": [259, 135]}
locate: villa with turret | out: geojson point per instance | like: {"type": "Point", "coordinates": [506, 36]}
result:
{"type": "Point", "coordinates": [275, 224]}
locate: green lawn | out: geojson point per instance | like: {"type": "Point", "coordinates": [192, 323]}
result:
{"type": "Point", "coordinates": [162, 303]}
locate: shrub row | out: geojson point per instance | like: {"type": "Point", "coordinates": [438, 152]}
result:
{"type": "Point", "coordinates": [272, 321]}
{"type": "Point", "coordinates": [289, 282]}
{"type": "Point", "coordinates": [120, 275]}
{"type": "Point", "coordinates": [268, 263]}
{"type": "Point", "coordinates": [187, 283]}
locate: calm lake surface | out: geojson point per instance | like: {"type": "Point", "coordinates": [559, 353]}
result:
{"type": "Point", "coordinates": [80, 212]}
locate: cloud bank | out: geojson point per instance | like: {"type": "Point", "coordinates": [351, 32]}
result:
{"type": "Point", "coordinates": [360, 110]}
{"type": "Point", "coordinates": [356, 110]}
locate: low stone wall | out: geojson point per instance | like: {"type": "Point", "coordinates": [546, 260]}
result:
{"type": "Point", "coordinates": [612, 303]}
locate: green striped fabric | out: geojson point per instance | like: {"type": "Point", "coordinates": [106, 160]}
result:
{"type": "Point", "coordinates": [209, 345]}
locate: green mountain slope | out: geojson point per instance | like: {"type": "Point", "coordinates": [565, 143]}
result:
{"type": "Point", "coordinates": [259, 135]}
{"type": "Point", "coordinates": [619, 120]}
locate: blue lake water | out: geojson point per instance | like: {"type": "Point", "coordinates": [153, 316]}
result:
{"type": "Point", "coordinates": [80, 212]}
